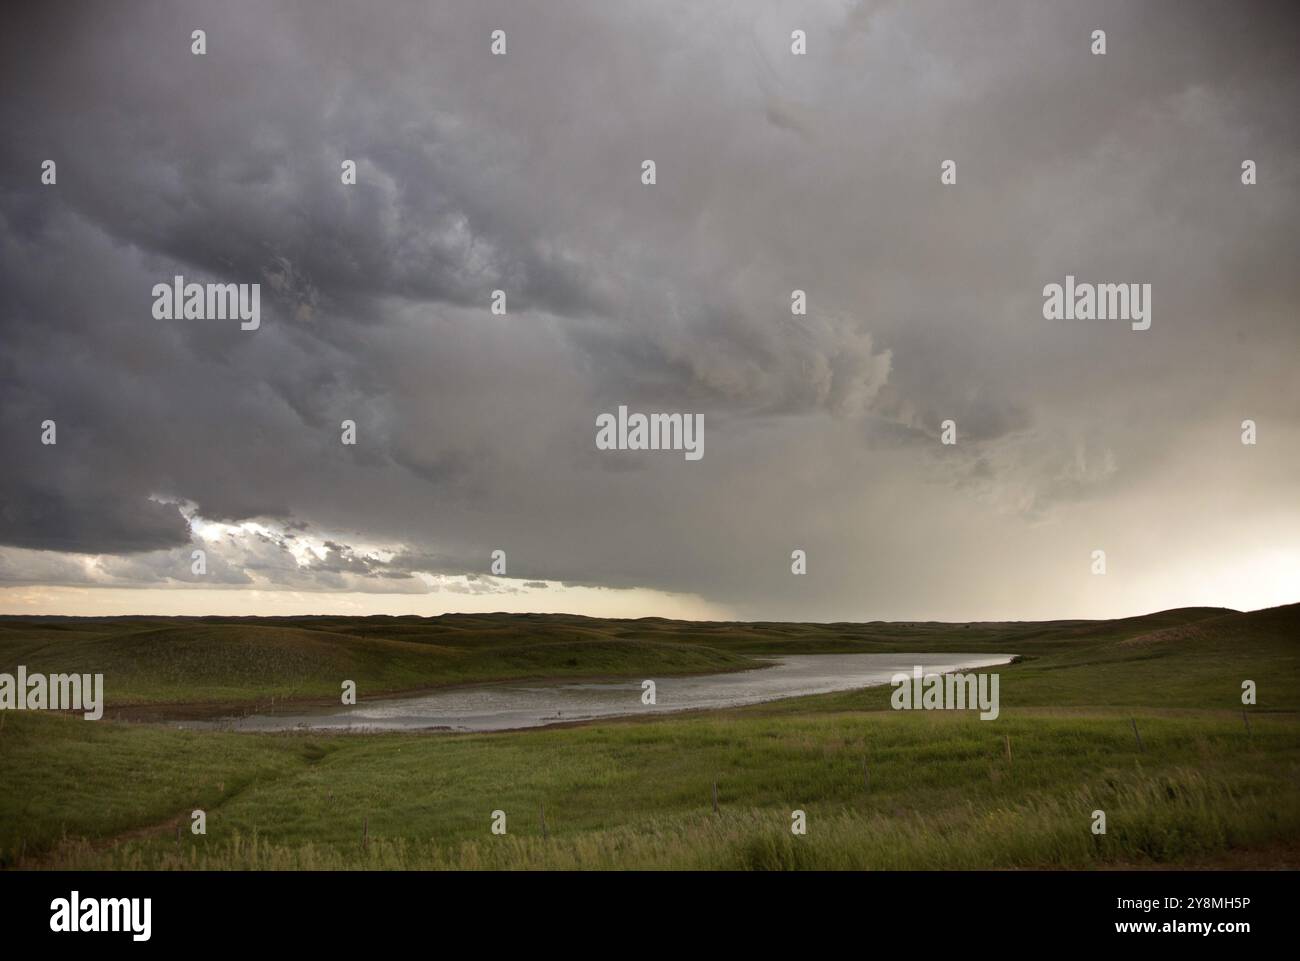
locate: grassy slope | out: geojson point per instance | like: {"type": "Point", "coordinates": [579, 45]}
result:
{"type": "Point", "coordinates": [636, 793]}
{"type": "Point", "coordinates": [245, 662]}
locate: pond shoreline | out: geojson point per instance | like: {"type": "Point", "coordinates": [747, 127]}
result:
{"type": "Point", "coordinates": [171, 711]}
{"type": "Point", "coordinates": [526, 703]}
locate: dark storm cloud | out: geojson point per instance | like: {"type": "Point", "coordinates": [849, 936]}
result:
{"type": "Point", "coordinates": [521, 172]}
{"type": "Point", "coordinates": [86, 520]}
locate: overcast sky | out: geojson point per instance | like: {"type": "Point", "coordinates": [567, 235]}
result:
{"type": "Point", "coordinates": [522, 172]}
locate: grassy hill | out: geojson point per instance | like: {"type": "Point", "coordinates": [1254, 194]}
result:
{"type": "Point", "coordinates": [239, 663]}
{"type": "Point", "coordinates": [881, 788]}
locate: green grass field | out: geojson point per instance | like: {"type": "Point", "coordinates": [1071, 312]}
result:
{"type": "Point", "coordinates": [1207, 787]}
{"type": "Point", "coordinates": [245, 662]}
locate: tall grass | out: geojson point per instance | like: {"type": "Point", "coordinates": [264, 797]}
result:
{"type": "Point", "coordinates": [1171, 818]}
{"type": "Point", "coordinates": [939, 791]}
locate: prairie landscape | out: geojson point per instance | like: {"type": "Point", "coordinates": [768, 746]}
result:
{"type": "Point", "coordinates": [1141, 718]}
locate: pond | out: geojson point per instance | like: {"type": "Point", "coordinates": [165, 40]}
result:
{"type": "Point", "coordinates": [508, 705]}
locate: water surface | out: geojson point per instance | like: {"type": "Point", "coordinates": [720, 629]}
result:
{"type": "Point", "coordinates": [517, 704]}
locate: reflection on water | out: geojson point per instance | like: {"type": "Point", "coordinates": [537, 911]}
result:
{"type": "Point", "coordinates": [508, 705]}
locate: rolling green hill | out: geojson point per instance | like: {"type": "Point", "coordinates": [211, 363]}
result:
{"type": "Point", "coordinates": [245, 662]}
{"type": "Point", "coordinates": [241, 663]}
{"type": "Point", "coordinates": [1210, 784]}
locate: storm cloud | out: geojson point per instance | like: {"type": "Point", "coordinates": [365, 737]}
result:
{"type": "Point", "coordinates": [775, 172]}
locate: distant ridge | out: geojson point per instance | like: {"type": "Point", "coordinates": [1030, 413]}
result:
{"type": "Point", "coordinates": [1278, 623]}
